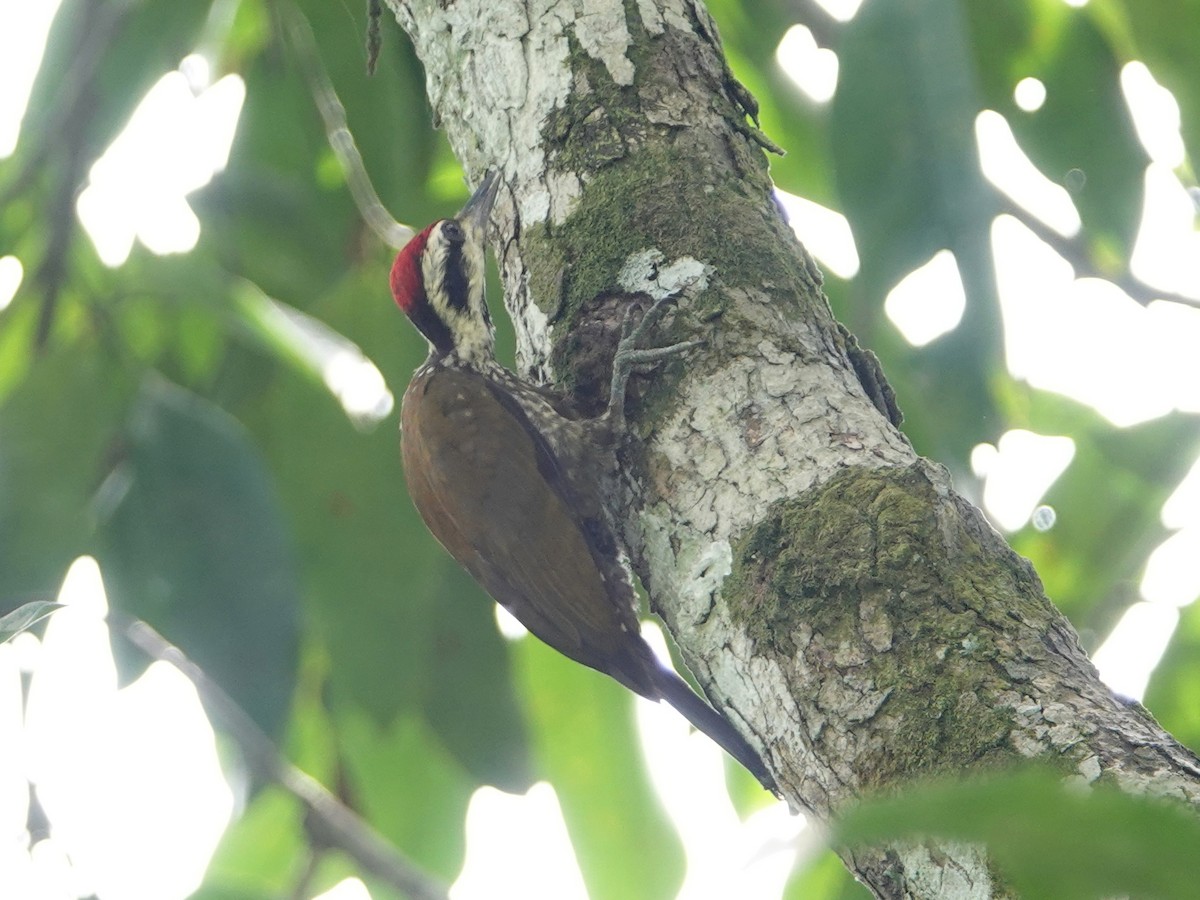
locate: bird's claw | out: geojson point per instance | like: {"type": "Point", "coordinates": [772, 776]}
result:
{"type": "Point", "coordinates": [629, 355]}
{"type": "Point", "coordinates": [632, 331]}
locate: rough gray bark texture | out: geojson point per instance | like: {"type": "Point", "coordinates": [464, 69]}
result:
{"type": "Point", "coordinates": [856, 618]}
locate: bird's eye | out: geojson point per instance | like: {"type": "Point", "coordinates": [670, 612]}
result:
{"type": "Point", "coordinates": [453, 232]}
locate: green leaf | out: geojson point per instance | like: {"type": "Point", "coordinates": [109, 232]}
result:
{"type": "Point", "coordinates": [262, 853]}
{"type": "Point", "coordinates": [901, 131]}
{"type": "Point", "coordinates": [1084, 101]}
{"type": "Point", "coordinates": [1002, 37]}
{"type": "Point", "coordinates": [369, 566]}
{"type": "Point", "coordinates": [587, 745]}
{"type": "Point", "coordinates": [405, 629]}
{"type": "Point", "coordinates": [908, 175]}
{"type": "Point", "coordinates": [276, 216]}
{"type": "Point", "coordinates": [57, 431]}
{"type": "Point", "coordinates": [1174, 691]}
{"type": "Point", "coordinates": [406, 785]}
{"type": "Point", "coordinates": [1049, 840]}
{"type": "Point", "coordinates": [470, 701]}
{"type": "Point", "coordinates": [1091, 559]}
{"type": "Point", "coordinates": [1082, 137]}
{"type": "Point", "coordinates": [1164, 32]}
{"type": "Point", "coordinates": [265, 218]}
{"type": "Point", "coordinates": [825, 878]}
{"type": "Point", "coordinates": [194, 542]}
{"type": "Point", "coordinates": [105, 59]}
{"type": "Point", "coordinates": [387, 112]}
{"type": "Point", "coordinates": [25, 616]}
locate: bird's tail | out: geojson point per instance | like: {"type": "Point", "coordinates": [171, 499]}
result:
{"type": "Point", "coordinates": [692, 707]}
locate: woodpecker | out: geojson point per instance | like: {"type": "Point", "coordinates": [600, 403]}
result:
{"type": "Point", "coordinates": [512, 486]}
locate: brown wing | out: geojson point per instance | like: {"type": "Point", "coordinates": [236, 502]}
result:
{"type": "Point", "coordinates": [475, 472]}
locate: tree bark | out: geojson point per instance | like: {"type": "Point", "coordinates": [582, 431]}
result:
{"type": "Point", "coordinates": [846, 609]}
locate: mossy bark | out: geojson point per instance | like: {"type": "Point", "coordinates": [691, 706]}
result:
{"type": "Point", "coordinates": [836, 599]}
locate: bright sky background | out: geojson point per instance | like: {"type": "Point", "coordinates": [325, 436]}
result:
{"type": "Point", "coordinates": [131, 777]}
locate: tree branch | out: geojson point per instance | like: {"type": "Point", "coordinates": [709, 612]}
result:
{"type": "Point", "coordinates": [337, 132]}
{"type": "Point", "coordinates": [826, 30]}
{"type": "Point", "coordinates": [838, 601]}
{"type": "Point", "coordinates": [1076, 251]}
{"type": "Point", "coordinates": [337, 825]}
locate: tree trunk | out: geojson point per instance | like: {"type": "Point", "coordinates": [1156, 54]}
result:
{"type": "Point", "coordinates": [844, 607]}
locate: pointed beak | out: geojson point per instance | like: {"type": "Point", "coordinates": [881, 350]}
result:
{"type": "Point", "coordinates": [474, 216]}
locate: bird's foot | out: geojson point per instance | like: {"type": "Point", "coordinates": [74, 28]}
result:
{"type": "Point", "coordinates": [629, 355]}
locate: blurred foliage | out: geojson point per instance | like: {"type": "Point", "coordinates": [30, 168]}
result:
{"type": "Point", "coordinates": [25, 616]}
{"type": "Point", "coordinates": [159, 416]}
{"type": "Point", "coordinates": [1047, 840]}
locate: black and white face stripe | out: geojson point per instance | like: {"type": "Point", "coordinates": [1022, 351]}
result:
{"type": "Point", "coordinates": [431, 325]}
{"type": "Point", "coordinates": [452, 268]}
{"type": "Point", "coordinates": [455, 281]}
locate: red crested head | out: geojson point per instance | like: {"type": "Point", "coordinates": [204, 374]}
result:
{"type": "Point", "coordinates": [438, 280]}
{"type": "Point", "coordinates": [408, 285]}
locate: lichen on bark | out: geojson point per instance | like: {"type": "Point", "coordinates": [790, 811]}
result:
{"type": "Point", "coordinates": [859, 575]}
